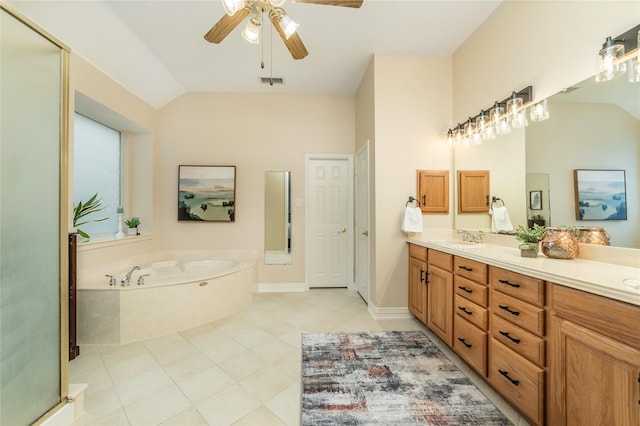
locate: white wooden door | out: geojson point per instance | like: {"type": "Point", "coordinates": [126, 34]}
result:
{"type": "Point", "coordinates": [362, 221]}
{"type": "Point", "coordinates": [329, 220]}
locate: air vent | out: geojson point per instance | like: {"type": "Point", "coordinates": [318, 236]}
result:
{"type": "Point", "coordinates": [268, 80]}
{"type": "Point", "coordinates": [569, 89]}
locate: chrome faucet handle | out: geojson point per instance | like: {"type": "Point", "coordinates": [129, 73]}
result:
{"type": "Point", "coordinates": [141, 279]}
{"type": "Point", "coordinates": [112, 279]}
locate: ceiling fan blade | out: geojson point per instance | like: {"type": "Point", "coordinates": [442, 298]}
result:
{"type": "Point", "coordinates": [293, 43]}
{"type": "Point", "coordinates": [225, 25]}
{"type": "Point", "coordinates": [343, 3]}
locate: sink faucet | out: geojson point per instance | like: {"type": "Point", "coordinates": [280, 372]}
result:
{"type": "Point", "coordinates": [125, 280]}
{"type": "Point", "coordinates": [471, 237]}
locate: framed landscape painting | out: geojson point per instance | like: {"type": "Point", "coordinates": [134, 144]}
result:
{"type": "Point", "coordinates": [207, 193]}
{"type": "Point", "coordinates": [600, 194]}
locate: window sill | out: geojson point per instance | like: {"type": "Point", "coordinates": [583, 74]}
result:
{"type": "Point", "coordinates": [108, 240]}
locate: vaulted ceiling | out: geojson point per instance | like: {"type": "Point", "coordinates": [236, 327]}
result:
{"type": "Point", "coordinates": [155, 48]}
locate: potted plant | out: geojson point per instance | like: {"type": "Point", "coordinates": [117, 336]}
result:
{"type": "Point", "coordinates": [132, 225]}
{"type": "Point", "coordinates": [80, 211]}
{"type": "Point", "coordinates": [530, 239]}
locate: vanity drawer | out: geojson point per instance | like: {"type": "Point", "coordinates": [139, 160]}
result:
{"type": "Point", "coordinates": [473, 313]}
{"type": "Point", "coordinates": [526, 344]}
{"type": "Point", "coordinates": [518, 380]}
{"type": "Point", "coordinates": [440, 259]}
{"type": "Point", "coordinates": [523, 314]}
{"type": "Point", "coordinates": [470, 343]}
{"type": "Point", "coordinates": [517, 285]}
{"type": "Point", "coordinates": [418, 252]}
{"type": "Point", "coordinates": [476, 271]}
{"type": "Point", "coordinates": [478, 293]}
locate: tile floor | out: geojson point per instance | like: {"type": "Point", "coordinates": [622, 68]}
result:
{"type": "Point", "coordinates": [241, 370]}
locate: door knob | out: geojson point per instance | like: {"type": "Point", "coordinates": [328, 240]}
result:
{"type": "Point", "coordinates": [342, 230]}
{"type": "Point", "coordinates": [365, 233]}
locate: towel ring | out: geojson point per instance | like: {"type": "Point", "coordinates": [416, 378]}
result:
{"type": "Point", "coordinates": [495, 200]}
{"type": "Point", "coordinates": [411, 200]}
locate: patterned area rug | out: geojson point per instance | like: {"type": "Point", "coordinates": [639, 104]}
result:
{"type": "Point", "coordinates": [387, 378]}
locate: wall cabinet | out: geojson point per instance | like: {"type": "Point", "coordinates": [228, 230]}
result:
{"type": "Point", "coordinates": [433, 191]}
{"type": "Point", "coordinates": [594, 360]}
{"type": "Point", "coordinates": [473, 191]}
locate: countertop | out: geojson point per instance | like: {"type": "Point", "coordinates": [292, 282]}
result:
{"type": "Point", "coordinates": [605, 279]}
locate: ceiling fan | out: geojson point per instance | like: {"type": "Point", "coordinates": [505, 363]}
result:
{"type": "Point", "coordinates": [237, 10]}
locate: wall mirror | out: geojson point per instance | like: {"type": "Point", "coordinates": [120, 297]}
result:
{"type": "Point", "coordinates": [277, 218]}
{"type": "Point", "coordinates": [591, 126]}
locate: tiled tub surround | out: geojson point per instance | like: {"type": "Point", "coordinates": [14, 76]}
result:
{"type": "Point", "coordinates": [183, 289]}
{"type": "Point", "coordinates": [613, 272]}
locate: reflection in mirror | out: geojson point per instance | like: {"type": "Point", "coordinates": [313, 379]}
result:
{"type": "Point", "coordinates": [277, 220]}
{"type": "Point", "coordinates": [592, 126]}
{"type": "Point", "coordinates": [538, 207]}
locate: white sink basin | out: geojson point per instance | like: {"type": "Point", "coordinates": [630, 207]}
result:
{"type": "Point", "coordinates": [459, 244]}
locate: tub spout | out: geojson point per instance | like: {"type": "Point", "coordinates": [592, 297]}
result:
{"type": "Point", "coordinates": [125, 280]}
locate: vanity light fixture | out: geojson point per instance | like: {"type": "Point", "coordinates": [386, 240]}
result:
{"type": "Point", "coordinates": [609, 62]}
{"type": "Point", "coordinates": [539, 111]}
{"type": "Point", "coordinates": [495, 121]}
{"type": "Point", "coordinates": [618, 54]}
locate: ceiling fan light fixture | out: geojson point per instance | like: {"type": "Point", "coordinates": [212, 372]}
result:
{"type": "Point", "coordinates": [251, 32]}
{"type": "Point", "coordinates": [278, 3]}
{"type": "Point", "coordinates": [232, 6]}
{"type": "Point", "coordinates": [288, 25]}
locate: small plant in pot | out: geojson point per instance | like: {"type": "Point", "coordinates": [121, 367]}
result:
{"type": "Point", "coordinates": [132, 225]}
{"type": "Point", "coordinates": [530, 239]}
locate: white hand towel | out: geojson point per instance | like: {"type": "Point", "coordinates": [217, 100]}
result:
{"type": "Point", "coordinates": [500, 221]}
{"type": "Point", "coordinates": [412, 219]}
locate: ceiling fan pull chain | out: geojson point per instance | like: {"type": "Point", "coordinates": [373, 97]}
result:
{"type": "Point", "coordinates": [262, 44]}
{"type": "Point", "coordinates": [271, 56]}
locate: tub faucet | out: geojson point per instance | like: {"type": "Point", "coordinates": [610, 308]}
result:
{"type": "Point", "coordinates": [125, 280]}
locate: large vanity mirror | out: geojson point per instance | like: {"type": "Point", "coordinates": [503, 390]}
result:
{"type": "Point", "coordinates": [593, 126]}
{"type": "Point", "coordinates": [277, 218]}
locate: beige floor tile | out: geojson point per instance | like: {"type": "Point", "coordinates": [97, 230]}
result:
{"type": "Point", "coordinates": [228, 406]}
{"type": "Point", "coordinates": [286, 405]}
{"type": "Point", "coordinates": [267, 382]}
{"type": "Point", "coordinates": [188, 417]}
{"type": "Point", "coordinates": [273, 349]}
{"type": "Point", "coordinates": [260, 417]}
{"type": "Point", "coordinates": [85, 364]}
{"type": "Point", "coordinates": [142, 386]}
{"type": "Point", "coordinates": [96, 380]}
{"type": "Point", "coordinates": [223, 350]}
{"type": "Point", "coordinates": [125, 369]}
{"type": "Point", "coordinates": [158, 407]}
{"type": "Point", "coordinates": [101, 403]}
{"type": "Point", "coordinates": [205, 384]}
{"type": "Point", "coordinates": [170, 348]}
{"type": "Point", "coordinates": [123, 353]}
{"type": "Point", "coordinates": [115, 418]}
{"type": "Point", "coordinates": [240, 366]}
{"type": "Point", "coordinates": [187, 366]}
{"type": "Point", "coordinates": [291, 364]}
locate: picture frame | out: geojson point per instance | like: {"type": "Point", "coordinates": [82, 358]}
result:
{"type": "Point", "coordinates": [600, 194]}
{"type": "Point", "coordinates": [206, 193]}
{"type": "Point", "coordinates": [535, 200]}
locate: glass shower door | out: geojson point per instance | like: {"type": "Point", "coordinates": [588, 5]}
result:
{"type": "Point", "coordinates": [31, 113]}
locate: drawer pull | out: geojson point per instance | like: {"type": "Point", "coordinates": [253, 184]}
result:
{"type": "Point", "coordinates": [506, 308]}
{"type": "Point", "coordinates": [506, 282]}
{"type": "Point", "coordinates": [505, 334]}
{"type": "Point", "coordinates": [422, 277]}
{"type": "Point", "coordinates": [465, 343]}
{"type": "Point", "coordinates": [466, 290]}
{"type": "Point", "coordinates": [463, 309]}
{"type": "Point", "coordinates": [506, 374]}
{"type": "Point", "coordinates": [466, 268]}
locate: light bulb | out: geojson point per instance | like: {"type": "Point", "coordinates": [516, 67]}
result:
{"type": "Point", "coordinates": [288, 25]}
{"type": "Point", "coordinates": [251, 32]}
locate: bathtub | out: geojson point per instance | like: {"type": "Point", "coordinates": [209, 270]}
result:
{"type": "Point", "coordinates": [178, 290]}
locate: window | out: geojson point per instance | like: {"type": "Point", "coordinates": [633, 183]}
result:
{"type": "Point", "coordinates": [97, 169]}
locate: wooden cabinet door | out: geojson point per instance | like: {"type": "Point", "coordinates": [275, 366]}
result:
{"type": "Point", "coordinates": [433, 191]}
{"type": "Point", "coordinates": [473, 191]}
{"type": "Point", "coordinates": [594, 379]}
{"type": "Point", "coordinates": [440, 303]}
{"type": "Point", "coordinates": [418, 288]}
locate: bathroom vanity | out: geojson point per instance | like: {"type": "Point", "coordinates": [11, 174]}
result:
{"type": "Point", "coordinates": [558, 339]}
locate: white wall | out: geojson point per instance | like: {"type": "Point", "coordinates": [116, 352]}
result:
{"type": "Point", "coordinates": [412, 111]}
{"type": "Point", "coordinates": [255, 133]}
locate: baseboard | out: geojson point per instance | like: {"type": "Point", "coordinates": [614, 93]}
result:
{"type": "Point", "coordinates": [281, 287]}
{"type": "Point", "coordinates": [389, 313]}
